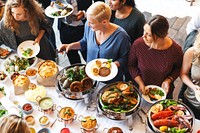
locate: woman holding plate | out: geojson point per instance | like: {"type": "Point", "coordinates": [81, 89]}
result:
{"type": "Point", "coordinates": [154, 58]}
{"type": "Point", "coordinates": [191, 63]}
{"type": "Point", "coordinates": [24, 20]}
{"type": "Point", "coordinates": [103, 39]}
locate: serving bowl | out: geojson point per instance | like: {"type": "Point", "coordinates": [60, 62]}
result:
{"type": "Point", "coordinates": [66, 115]}
{"type": "Point", "coordinates": [74, 84]}
{"type": "Point", "coordinates": [3, 77]}
{"type": "Point", "coordinates": [31, 72]}
{"type": "Point", "coordinates": [113, 130]}
{"type": "Point", "coordinates": [44, 130]}
{"type": "Point", "coordinates": [88, 124]}
{"type": "Point", "coordinates": [171, 114]}
{"type": "Point", "coordinates": [118, 100]}
{"type": "Point", "coordinates": [30, 119]}
{"type": "Point", "coordinates": [44, 120]}
{"type": "Point", "coordinates": [46, 104]}
{"type": "Point", "coordinates": [27, 108]}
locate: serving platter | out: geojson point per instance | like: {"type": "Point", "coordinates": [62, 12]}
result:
{"type": "Point", "coordinates": [4, 51]}
{"type": "Point", "coordinates": [51, 11]}
{"type": "Point", "coordinates": [147, 98]}
{"type": "Point", "coordinates": [15, 63]}
{"type": "Point", "coordinates": [27, 49]}
{"type": "Point", "coordinates": [91, 65]}
{"type": "Point", "coordinates": [172, 114]}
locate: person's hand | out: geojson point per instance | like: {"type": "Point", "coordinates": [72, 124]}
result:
{"type": "Point", "coordinates": [1, 94]}
{"type": "Point", "coordinates": [64, 47]}
{"type": "Point", "coordinates": [37, 41]}
{"type": "Point", "coordinates": [80, 15]}
{"type": "Point", "coordinates": [52, 3]}
{"type": "Point", "coordinates": [142, 88]}
{"type": "Point", "coordinates": [166, 85]}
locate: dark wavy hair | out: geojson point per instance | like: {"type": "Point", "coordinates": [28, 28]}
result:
{"type": "Point", "coordinates": [34, 12]}
{"type": "Point", "coordinates": [129, 3]}
{"type": "Point", "coordinates": [159, 26]}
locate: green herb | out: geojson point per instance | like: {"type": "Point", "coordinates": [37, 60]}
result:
{"type": "Point", "coordinates": [28, 52]}
{"type": "Point", "coordinates": [110, 60]}
{"type": "Point", "coordinates": [175, 130]}
{"type": "Point", "coordinates": [166, 103]}
{"type": "Point", "coordinates": [2, 112]}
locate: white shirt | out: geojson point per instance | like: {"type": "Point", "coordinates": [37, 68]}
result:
{"type": "Point", "coordinates": [194, 23]}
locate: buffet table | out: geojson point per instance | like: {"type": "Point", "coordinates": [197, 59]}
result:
{"type": "Point", "coordinates": [139, 124]}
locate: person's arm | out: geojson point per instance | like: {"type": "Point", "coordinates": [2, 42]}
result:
{"type": "Point", "coordinates": [68, 47]}
{"type": "Point", "coordinates": [39, 37]}
{"type": "Point", "coordinates": [133, 69]}
{"type": "Point", "coordinates": [186, 66]}
{"type": "Point", "coordinates": [194, 23]}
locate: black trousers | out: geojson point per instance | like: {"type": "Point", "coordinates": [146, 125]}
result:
{"type": "Point", "coordinates": [69, 34]}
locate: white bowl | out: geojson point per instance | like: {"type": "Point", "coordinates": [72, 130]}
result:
{"type": "Point", "coordinates": [3, 77]}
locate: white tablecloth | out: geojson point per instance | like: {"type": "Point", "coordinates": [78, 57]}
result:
{"type": "Point", "coordinates": [80, 109]}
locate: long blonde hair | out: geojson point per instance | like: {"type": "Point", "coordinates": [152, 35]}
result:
{"type": "Point", "coordinates": [13, 124]}
{"type": "Point", "coordinates": [33, 10]}
{"type": "Point", "coordinates": [197, 43]}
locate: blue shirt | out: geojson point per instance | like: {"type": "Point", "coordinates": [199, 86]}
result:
{"type": "Point", "coordinates": [115, 47]}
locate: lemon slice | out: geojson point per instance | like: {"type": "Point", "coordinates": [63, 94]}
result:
{"type": "Point", "coordinates": [123, 87]}
{"type": "Point", "coordinates": [156, 108]}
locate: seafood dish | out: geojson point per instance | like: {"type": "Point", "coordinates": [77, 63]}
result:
{"type": "Point", "coordinates": [62, 12]}
{"type": "Point", "coordinates": [4, 51]}
{"type": "Point", "coordinates": [119, 97]}
{"type": "Point", "coordinates": [170, 116]}
{"type": "Point", "coordinates": [75, 79]}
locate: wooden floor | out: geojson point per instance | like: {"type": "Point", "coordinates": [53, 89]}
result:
{"type": "Point", "coordinates": [177, 31]}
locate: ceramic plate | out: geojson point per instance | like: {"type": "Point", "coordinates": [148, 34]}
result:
{"type": "Point", "coordinates": [4, 51]}
{"type": "Point", "coordinates": [147, 98]}
{"type": "Point", "coordinates": [49, 11]}
{"type": "Point", "coordinates": [28, 45]}
{"type": "Point", "coordinates": [9, 67]}
{"type": "Point", "coordinates": [91, 64]}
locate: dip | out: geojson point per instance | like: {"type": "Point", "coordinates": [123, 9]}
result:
{"type": "Point", "coordinates": [46, 103]}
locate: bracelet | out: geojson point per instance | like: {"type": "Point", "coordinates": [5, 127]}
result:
{"type": "Point", "coordinates": [170, 78]}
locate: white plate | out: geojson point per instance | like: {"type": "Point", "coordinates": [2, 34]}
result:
{"type": "Point", "coordinates": [6, 90]}
{"type": "Point", "coordinates": [28, 44]}
{"type": "Point", "coordinates": [12, 56]}
{"type": "Point", "coordinates": [197, 94]}
{"type": "Point", "coordinates": [49, 10]}
{"type": "Point", "coordinates": [147, 98]}
{"type": "Point", "coordinates": [90, 65]}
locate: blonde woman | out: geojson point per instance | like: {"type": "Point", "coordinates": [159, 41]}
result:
{"type": "Point", "coordinates": [13, 124]}
{"type": "Point", "coordinates": [25, 20]}
{"type": "Point", "coordinates": [191, 61]}
{"type": "Point", "coordinates": [103, 39]}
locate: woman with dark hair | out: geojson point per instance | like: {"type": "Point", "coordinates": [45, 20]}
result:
{"type": "Point", "coordinates": [126, 15]}
{"type": "Point", "coordinates": [154, 58]}
{"type": "Point", "coordinates": [25, 20]}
